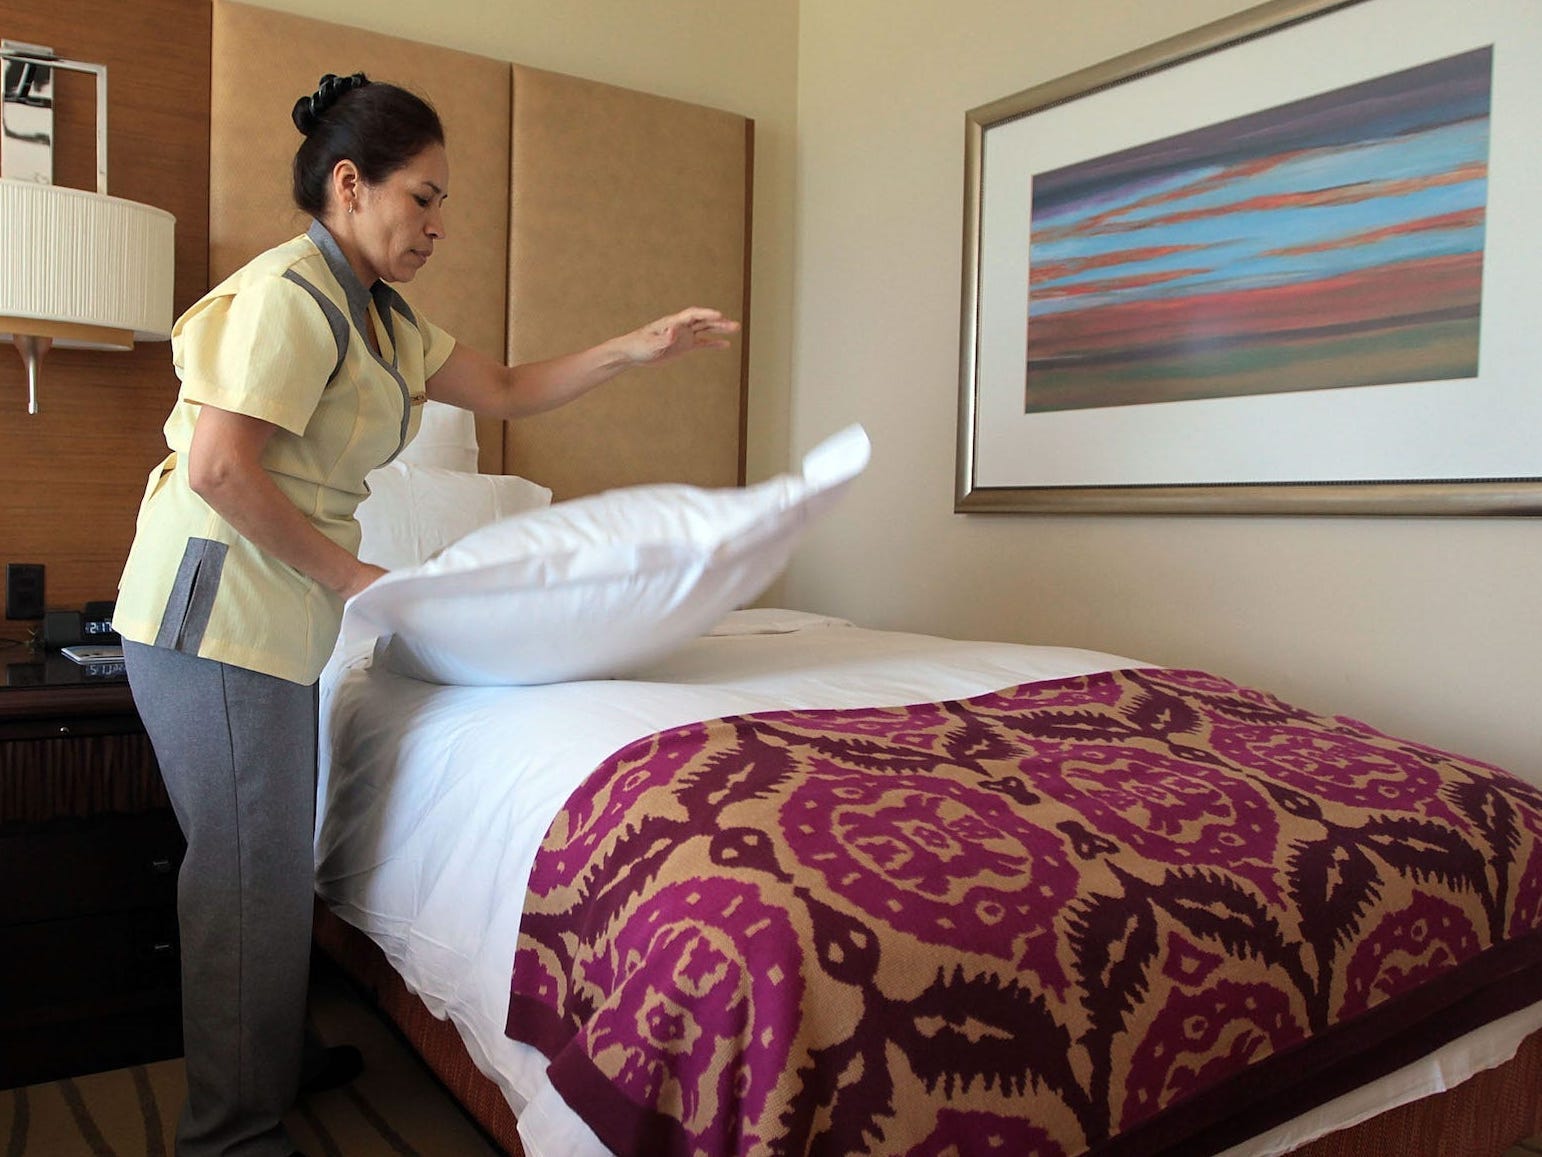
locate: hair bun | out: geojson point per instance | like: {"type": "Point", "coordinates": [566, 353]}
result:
{"type": "Point", "coordinates": [309, 110]}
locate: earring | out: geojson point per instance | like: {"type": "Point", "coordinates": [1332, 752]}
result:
{"type": "Point", "coordinates": [350, 208]}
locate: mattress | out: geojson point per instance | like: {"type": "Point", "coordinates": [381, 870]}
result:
{"type": "Point", "coordinates": [435, 799]}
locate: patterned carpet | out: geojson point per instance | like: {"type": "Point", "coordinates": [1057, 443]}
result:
{"type": "Point", "coordinates": [395, 1109]}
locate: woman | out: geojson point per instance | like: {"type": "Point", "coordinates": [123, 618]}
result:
{"type": "Point", "coordinates": [300, 373]}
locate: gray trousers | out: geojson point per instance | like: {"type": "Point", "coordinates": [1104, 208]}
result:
{"type": "Point", "coordinates": [237, 750]}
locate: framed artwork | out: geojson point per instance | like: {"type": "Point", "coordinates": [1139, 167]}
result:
{"type": "Point", "coordinates": [1290, 262]}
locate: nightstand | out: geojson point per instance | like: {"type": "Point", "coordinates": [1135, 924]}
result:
{"type": "Point", "coordinates": [89, 851]}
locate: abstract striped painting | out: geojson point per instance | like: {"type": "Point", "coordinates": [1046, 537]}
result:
{"type": "Point", "coordinates": [1333, 241]}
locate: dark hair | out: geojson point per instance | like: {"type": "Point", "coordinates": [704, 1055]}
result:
{"type": "Point", "coordinates": [379, 127]}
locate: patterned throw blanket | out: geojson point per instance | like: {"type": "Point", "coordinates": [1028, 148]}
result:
{"type": "Point", "coordinates": [1107, 914]}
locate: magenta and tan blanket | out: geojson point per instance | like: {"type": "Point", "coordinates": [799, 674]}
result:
{"type": "Point", "coordinates": [1127, 913]}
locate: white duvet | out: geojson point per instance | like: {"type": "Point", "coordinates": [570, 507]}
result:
{"type": "Point", "coordinates": [434, 800]}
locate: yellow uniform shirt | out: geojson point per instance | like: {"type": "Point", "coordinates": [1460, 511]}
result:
{"type": "Point", "coordinates": [283, 339]}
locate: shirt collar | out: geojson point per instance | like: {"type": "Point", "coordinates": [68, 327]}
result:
{"type": "Point", "coordinates": [353, 289]}
{"type": "Point", "coordinates": [358, 297]}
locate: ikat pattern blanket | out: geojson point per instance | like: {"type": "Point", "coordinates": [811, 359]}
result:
{"type": "Point", "coordinates": [1100, 915]}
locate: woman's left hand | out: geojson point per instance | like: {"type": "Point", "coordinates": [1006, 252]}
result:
{"type": "Point", "coordinates": [680, 333]}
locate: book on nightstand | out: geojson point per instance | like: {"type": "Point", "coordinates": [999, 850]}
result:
{"type": "Point", "coordinates": [87, 653]}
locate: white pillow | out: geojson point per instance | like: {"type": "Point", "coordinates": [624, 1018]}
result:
{"type": "Point", "coordinates": [772, 621]}
{"type": "Point", "coordinates": [594, 587]}
{"type": "Point", "coordinates": [413, 512]}
{"type": "Point", "coordinates": [446, 438]}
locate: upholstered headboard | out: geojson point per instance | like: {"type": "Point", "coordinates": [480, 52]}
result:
{"type": "Point", "coordinates": [578, 210]}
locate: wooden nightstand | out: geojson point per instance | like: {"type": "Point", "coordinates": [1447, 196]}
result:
{"type": "Point", "coordinates": [89, 851]}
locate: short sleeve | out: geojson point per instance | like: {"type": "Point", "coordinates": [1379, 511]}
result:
{"type": "Point", "coordinates": [437, 347]}
{"type": "Point", "coordinates": [266, 350]}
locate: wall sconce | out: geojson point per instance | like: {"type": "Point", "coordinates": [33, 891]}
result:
{"type": "Point", "coordinates": [78, 270]}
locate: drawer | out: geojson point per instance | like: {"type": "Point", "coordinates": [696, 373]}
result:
{"type": "Point", "coordinates": [43, 778]}
{"type": "Point", "coordinates": [59, 970]}
{"type": "Point", "coordinates": [139, 1034]}
{"type": "Point", "coordinates": [74, 726]}
{"type": "Point", "coordinates": [81, 867]}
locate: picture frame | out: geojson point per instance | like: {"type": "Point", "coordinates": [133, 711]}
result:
{"type": "Point", "coordinates": [1152, 321]}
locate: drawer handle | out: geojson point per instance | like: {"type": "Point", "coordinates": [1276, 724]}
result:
{"type": "Point", "coordinates": [160, 866]}
{"type": "Point", "coordinates": [64, 729]}
{"type": "Point", "coordinates": [162, 948]}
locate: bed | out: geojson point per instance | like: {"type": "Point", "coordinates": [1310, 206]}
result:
{"type": "Point", "coordinates": [790, 885]}
{"type": "Point", "coordinates": [436, 799]}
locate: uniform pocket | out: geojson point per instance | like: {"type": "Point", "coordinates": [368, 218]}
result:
{"type": "Point", "coordinates": [191, 601]}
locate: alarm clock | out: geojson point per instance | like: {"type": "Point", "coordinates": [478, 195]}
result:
{"type": "Point", "coordinates": [96, 623]}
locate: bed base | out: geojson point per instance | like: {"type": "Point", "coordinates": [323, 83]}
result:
{"type": "Point", "coordinates": [1481, 1117]}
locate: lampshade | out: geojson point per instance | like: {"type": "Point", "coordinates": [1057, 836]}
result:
{"type": "Point", "coordinates": [77, 269]}
{"type": "Point", "coordinates": [87, 270]}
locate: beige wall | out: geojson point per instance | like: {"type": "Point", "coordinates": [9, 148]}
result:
{"type": "Point", "coordinates": [1430, 628]}
{"type": "Point", "coordinates": [737, 56]}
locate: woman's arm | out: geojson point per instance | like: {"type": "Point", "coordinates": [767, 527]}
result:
{"type": "Point", "coordinates": [224, 466]}
{"type": "Point", "coordinates": [476, 382]}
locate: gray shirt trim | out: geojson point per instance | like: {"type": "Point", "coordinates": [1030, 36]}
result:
{"type": "Point", "coordinates": [191, 601]}
{"type": "Point", "coordinates": [358, 307]}
{"type": "Point", "coordinates": [334, 317]}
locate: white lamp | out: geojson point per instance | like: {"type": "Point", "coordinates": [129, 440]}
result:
{"type": "Point", "coordinates": [77, 269]}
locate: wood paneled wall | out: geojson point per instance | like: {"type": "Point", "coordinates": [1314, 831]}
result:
{"type": "Point", "coordinates": [71, 476]}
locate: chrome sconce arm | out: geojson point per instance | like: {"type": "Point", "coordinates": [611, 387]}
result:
{"type": "Point", "coordinates": [27, 114]}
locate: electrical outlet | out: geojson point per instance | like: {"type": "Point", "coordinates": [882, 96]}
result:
{"type": "Point", "coordinates": [24, 590]}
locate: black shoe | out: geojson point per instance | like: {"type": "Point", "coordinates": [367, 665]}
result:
{"type": "Point", "coordinates": [328, 1068]}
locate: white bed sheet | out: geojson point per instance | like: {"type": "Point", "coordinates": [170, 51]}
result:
{"type": "Point", "coordinates": [435, 799]}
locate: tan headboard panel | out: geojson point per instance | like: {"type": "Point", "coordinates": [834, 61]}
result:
{"type": "Point", "coordinates": [626, 206]}
{"type": "Point", "coordinates": [582, 211]}
{"type": "Point", "coordinates": [264, 60]}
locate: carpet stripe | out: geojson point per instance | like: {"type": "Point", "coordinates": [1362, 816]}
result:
{"type": "Point", "coordinates": [150, 1112]}
{"type": "Point", "coordinates": [382, 1126]}
{"type": "Point", "coordinates": [89, 1133]}
{"type": "Point", "coordinates": [329, 1147]}
{"type": "Point", "coordinates": [19, 1123]}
